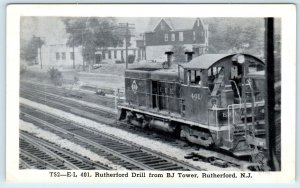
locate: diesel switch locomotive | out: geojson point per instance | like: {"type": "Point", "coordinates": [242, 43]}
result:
{"type": "Point", "coordinates": [211, 100]}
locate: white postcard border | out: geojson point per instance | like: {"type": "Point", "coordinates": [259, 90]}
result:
{"type": "Point", "coordinates": [286, 12]}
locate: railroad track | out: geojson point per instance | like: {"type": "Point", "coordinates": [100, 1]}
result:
{"type": "Point", "coordinates": [68, 105]}
{"type": "Point", "coordinates": [95, 114]}
{"type": "Point", "coordinates": [127, 154]}
{"type": "Point", "coordinates": [70, 93]}
{"type": "Point", "coordinates": [58, 102]}
{"type": "Point", "coordinates": [41, 154]}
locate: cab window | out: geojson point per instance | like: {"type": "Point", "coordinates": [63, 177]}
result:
{"type": "Point", "coordinates": [214, 71]}
{"type": "Point", "coordinates": [194, 76]}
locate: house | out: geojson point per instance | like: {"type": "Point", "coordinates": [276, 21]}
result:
{"type": "Point", "coordinates": [118, 54]}
{"type": "Point", "coordinates": [60, 55]}
{"type": "Point", "coordinates": [163, 33]}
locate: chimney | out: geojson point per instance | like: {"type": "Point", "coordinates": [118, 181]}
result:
{"type": "Point", "coordinates": [169, 58]}
{"type": "Point", "coordinates": [189, 56]}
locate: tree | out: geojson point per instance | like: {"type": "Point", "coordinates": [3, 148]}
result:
{"type": "Point", "coordinates": [29, 50]}
{"type": "Point", "coordinates": [179, 55]}
{"type": "Point", "coordinates": [231, 35]}
{"type": "Point", "coordinates": [92, 34]}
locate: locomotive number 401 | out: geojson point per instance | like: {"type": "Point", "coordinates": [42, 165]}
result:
{"type": "Point", "coordinates": [196, 96]}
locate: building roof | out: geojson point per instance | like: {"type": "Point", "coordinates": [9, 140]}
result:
{"type": "Point", "coordinates": [175, 23]}
{"type": "Point", "coordinates": [204, 61]}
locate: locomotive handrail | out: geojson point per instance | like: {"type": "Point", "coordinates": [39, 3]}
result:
{"type": "Point", "coordinates": [253, 105]}
{"type": "Point", "coordinates": [256, 104]}
{"type": "Point", "coordinates": [228, 119]}
{"type": "Point", "coordinates": [160, 95]}
{"type": "Point", "coordinates": [238, 92]}
{"type": "Point", "coordinates": [228, 111]}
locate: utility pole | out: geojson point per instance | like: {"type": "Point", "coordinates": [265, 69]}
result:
{"type": "Point", "coordinates": [269, 94]}
{"type": "Point", "coordinates": [127, 26]}
{"type": "Point", "coordinates": [127, 35]}
{"type": "Point", "coordinates": [40, 46]}
{"type": "Point", "coordinates": [83, 68]}
{"type": "Point", "coordinates": [73, 53]}
{"type": "Point", "coordinates": [127, 39]}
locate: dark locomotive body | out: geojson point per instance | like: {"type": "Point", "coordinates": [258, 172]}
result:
{"type": "Point", "coordinates": [215, 99]}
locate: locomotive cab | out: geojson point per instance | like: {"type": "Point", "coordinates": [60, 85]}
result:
{"type": "Point", "coordinates": [222, 91]}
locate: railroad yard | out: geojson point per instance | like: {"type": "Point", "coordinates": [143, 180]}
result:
{"type": "Point", "coordinates": [66, 128]}
{"type": "Point", "coordinates": [165, 100]}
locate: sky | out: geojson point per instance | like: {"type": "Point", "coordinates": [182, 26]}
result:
{"type": "Point", "coordinates": [52, 30]}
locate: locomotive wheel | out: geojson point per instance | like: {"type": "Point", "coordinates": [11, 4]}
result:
{"type": "Point", "coordinates": [136, 119]}
{"type": "Point", "coordinates": [183, 135]}
{"type": "Point", "coordinates": [196, 136]}
{"type": "Point", "coordinates": [259, 158]}
{"type": "Point", "coordinates": [129, 116]}
{"type": "Point", "coordinates": [143, 121]}
{"type": "Point", "coordinates": [122, 114]}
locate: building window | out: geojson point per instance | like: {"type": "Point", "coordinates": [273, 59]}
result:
{"type": "Point", "coordinates": [57, 56]}
{"type": "Point", "coordinates": [180, 36]}
{"type": "Point", "coordinates": [139, 53]}
{"type": "Point", "coordinates": [115, 54]}
{"type": "Point", "coordinates": [166, 37]}
{"type": "Point", "coordinates": [109, 54]}
{"type": "Point", "coordinates": [173, 36]}
{"type": "Point", "coordinates": [202, 34]}
{"type": "Point", "coordinates": [98, 58]}
{"type": "Point", "coordinates": [103, 55]}
{"type": "Point", "coordinates": [72, 55]}
{"type": "Point", "coordinates": [63, 55]}
{"type": "Point", "coordinates": [194, 35]}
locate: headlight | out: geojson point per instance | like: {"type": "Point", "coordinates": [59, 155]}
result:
{"type": "Point", "coordinates": [241, 59]}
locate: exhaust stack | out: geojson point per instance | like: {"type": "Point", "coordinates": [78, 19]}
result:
{"type": "Point", "coordinates": [189, 56]}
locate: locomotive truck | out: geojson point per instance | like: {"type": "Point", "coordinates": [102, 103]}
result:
{"type": "Point", "coordinates": [211, 100]}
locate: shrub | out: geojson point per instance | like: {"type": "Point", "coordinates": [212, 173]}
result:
{"type": "Point", "coordinates": [76, 80]}
{"type": "Point", "coordinates": [23, 69]}
{"type": "Point", "coordinates": [119, 62]}
{"type": "Point", "coordinates": [179, 55]}
{"type": "Point", "coordinates": [55, 76]}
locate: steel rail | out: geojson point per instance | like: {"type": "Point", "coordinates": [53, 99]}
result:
{"type": "Point", "coordinates": [70, 102]}
{"type": "Point", "coordinates": [40, 147]}
{"type": "Point", "coordinates": [102, 120]}
{"type": "Point", "coordinates": [71, 155]}
{"type": "Point", "coordinates": [24, 164]}
{"type": "Point", "coordinates": [121, 156]}
{"type": "Point", "coordinates": [38, 160]}
{"type": "Point", "coordinates": [66, 91]}
{"type": "Point", "coordinates": [117, 139]}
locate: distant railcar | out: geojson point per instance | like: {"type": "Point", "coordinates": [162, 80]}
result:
{"type": "Point", "coordinates": [212, 100]}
